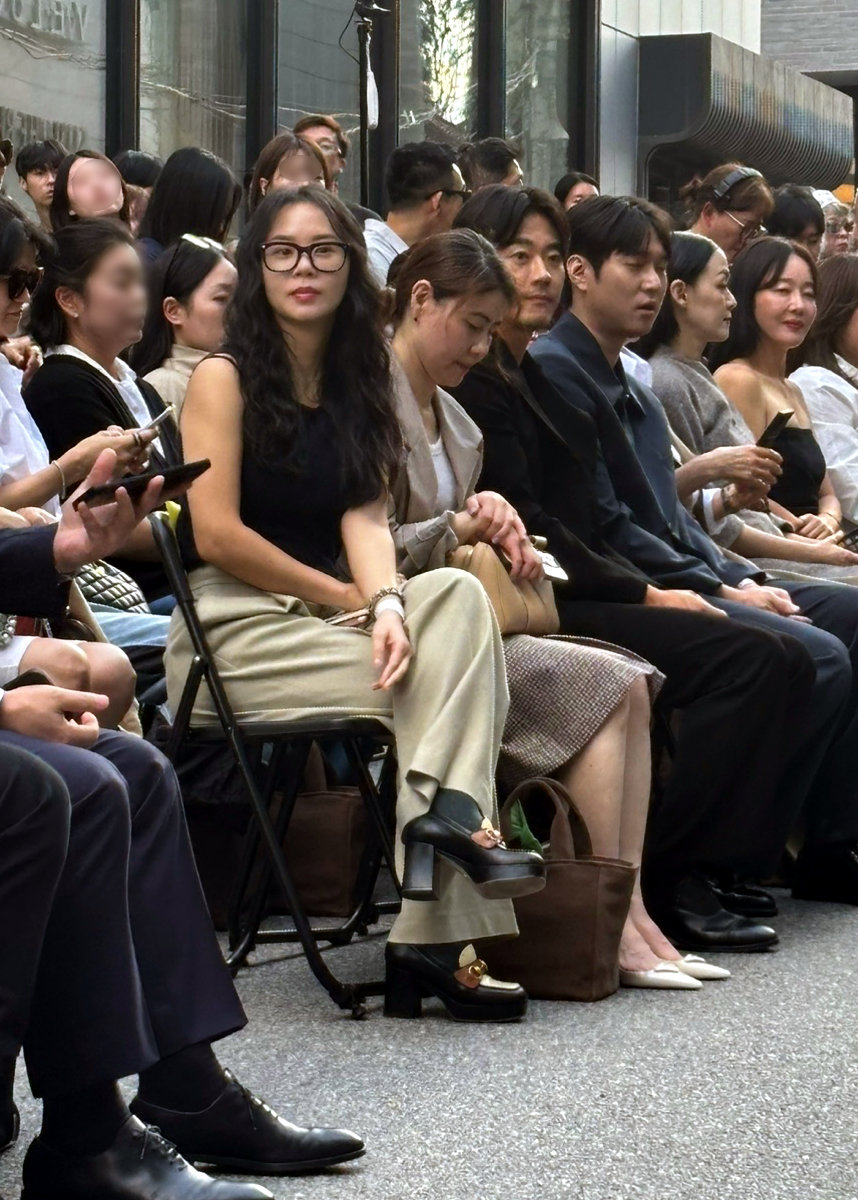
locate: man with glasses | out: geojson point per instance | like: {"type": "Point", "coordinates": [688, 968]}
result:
{"type": "Point", "coordinates": [425, 190]}
{"type": "Point", "coordinates": [330, 137]}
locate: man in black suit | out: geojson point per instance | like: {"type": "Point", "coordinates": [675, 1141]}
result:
{"type": "Point", "coordinates": [110, 965]}
{"type": "Point", "coordinates": [727, 804]}
{"type": "Point", "coordinates": [616, 272]}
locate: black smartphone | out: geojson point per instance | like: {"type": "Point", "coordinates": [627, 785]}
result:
{"type": "Point", "coordinates": [32, 678]}
{"type": "Point", "coordinates": [135, 485]}
{"type": "Point", "coordinates": [771, 431]}
{"type": "Point", "coordinates": [851, 540]}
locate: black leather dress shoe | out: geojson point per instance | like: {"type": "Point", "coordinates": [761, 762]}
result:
{"type": "Point", "coordinates": [696, 920]}
{"type": "Point", "coordinates": [468, 992]}
{"type": "Point", "coordinates": [827, 873]}
{"type": "Point", "coordinates": [744, 898]}
{"type": "Point", "coordinates": [241, 1133]}
{"type": "Point", "coordinates": [139, 1165]}
{"type": "Point", "coordinates": [454, 829]}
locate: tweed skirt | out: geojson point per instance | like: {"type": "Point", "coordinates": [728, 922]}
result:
{"type": "Point", "coordinates": [562, 691]}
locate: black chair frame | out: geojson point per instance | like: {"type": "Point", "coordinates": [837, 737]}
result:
{"type": "Point", "coordinates": [273, 755]}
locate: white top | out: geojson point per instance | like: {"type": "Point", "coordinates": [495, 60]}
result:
{"type": "Point", "coordinates": [636, 366]}
{"type": "Point", "coordinates": [124, 379]}
{"type": "Point", "coordinates": [22, 447]}
{"type": "Point", "coordinates": [382, 247]}
{"type": "Point", "coordinates": [832, 403]}
{"type": "Point", "coordinates": [447, 486]}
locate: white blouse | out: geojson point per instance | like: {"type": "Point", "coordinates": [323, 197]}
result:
{"type": "Point", "coordinates": [22, 447]}
{"type": "Point", "coordinates": [447, 487]}
{"type": "Point", "coordinates": [832, 402]}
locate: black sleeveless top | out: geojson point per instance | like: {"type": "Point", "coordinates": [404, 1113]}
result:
{"type": "Point", "coordinates": [803, 468]}
{"type": "Point", "coordinates": [299, 510]}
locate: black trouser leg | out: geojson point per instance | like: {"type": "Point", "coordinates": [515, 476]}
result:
{"type": "Point", "coordinates": [189, 993]}
{"type": "Point", "coordinates": [34, 831]}
{"type": "Point", "coordinates": [87, 1022]}
{"type": "Point", "coordinates": [721, 808]}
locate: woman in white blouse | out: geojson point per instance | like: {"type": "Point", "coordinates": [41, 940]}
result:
{"type": "Point", "coordinates": [828, 376]}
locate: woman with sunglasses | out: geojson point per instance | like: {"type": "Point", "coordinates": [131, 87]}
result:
{"type": "Point", "coordinates": [190, 287]}
{"type": "Point", "coordinates": [294, 575]}
{"type": "Point", "coordinates": [88, 309]}
{"type": "Point", "coordinates": [729, 205]}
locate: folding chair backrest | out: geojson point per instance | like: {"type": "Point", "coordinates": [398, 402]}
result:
{"type": "Point", "coordinates": [203, 665]}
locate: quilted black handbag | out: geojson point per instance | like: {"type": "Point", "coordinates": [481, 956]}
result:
{"type": "Point", "coordinates": [102, 583]}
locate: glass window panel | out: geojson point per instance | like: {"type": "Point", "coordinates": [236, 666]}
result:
{"type": "Point", "coordinates": [51, 76]}
{"type": "Point", "coordinates": [192, 77]}
{"type": "Point", "coordinates": [537, 51]}
{"type": "Point", "coordinates": [318, 72]}
{"type": "Point", "coordinates": [438, 88]}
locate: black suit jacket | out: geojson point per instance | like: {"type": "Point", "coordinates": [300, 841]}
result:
{"type": "Point", "coordinates": [29, 582]}
{"type": "Point", "coordinates": [539, 453]}
{"type": "Point", "coordinates": [640, 513]}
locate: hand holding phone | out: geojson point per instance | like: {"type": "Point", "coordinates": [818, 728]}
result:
{"type": "Point", "coordinates": [176, 480]}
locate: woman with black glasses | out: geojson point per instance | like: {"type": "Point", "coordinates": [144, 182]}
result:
{"type": "Point", "coordinates": [729, 205]}
{"type": "Point", "coordinates": [294, 573]}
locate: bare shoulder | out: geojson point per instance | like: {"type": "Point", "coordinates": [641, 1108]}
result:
{"type": "Point", "coordinates": [214, 387]}
{"type": "Point", "coordinates": [741, 382]}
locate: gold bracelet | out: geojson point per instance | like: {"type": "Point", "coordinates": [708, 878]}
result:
{"type": "Point", "coordinates": [377, 597]}
{"type": "Point", "coordinates": [825, 517]}
{"type": "Point", "coordinates": [62, 490]}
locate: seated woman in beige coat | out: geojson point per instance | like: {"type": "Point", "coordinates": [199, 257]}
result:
{"type": "Point", "coordinates": [297, 420]}
{"type": "Point", "coordinates": [579, 710]}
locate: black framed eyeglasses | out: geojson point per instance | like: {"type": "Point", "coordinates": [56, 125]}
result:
{"type": "Point", "coordinates": [22, 279]}
{"type": "Point", "coordinates": [327, 257]}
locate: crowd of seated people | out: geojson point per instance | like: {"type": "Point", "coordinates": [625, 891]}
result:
{"type": "Point", "coordinates": [675, 415]}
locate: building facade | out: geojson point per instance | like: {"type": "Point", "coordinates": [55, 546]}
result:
{"type": "Point", "coordinates": [575, 83]}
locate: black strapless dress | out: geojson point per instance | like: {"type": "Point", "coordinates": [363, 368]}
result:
{"type": "Point", "coordinates": [803, 470]}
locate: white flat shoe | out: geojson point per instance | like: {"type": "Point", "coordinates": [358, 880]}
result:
{"type": "Point", "coordinates": [699, 968]}
{"type": "Point", "coordinates": [665, 975]}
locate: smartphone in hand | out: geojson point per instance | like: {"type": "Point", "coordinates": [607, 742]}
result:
{"type": "Point", "coordinates": [175, 479]}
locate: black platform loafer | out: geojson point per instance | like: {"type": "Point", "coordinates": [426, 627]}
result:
{"type": "Point", "coordinates": [139, 1165]}
{"type": "Point", "coordinates": [827, 873]}
{"type": "Point", "coordinates": [241, 1133]}
{"type": "Point", "coordinates": [696, 920]}
{"type": "Point", "coordinates": [454, 829]}
{"type": "Point", "coordinates": [468, 992]}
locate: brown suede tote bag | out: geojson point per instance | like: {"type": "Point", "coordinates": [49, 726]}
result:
{"type": "Point", "coordinates": [569, 933]}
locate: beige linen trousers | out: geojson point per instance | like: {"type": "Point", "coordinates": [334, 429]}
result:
{"type": "Point", "coordinates": [279, 660]}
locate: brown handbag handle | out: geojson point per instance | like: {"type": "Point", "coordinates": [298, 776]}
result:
{"type": "Point", "coordinates": [569, 837]}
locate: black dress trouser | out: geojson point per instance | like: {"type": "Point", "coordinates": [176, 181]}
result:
{"type": "Point", "coordinates": [723, 807]}
{"type": "Point", "coordinates": [108, 958]}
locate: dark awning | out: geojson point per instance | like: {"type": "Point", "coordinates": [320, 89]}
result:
{"type": "Point", "coordinates": [705, 101]}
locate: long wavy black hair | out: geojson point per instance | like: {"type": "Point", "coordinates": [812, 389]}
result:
{"type": "Point", "coordinates": [355, 386]}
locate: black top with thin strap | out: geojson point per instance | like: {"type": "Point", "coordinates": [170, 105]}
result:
{"type": "Point", "coordinates": [803, 468]}
{"type": "Point", "coordinates": [298, 509]}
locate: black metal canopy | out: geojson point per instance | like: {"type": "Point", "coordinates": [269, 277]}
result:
{"type": "Point", "coordinates": [704, 101]}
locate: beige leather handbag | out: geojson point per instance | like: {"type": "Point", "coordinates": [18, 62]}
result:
{"type": "Point", "coordinates": [521, 607]}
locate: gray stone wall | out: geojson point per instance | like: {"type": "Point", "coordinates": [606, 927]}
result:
{"type": "Point", "coordinates": [811, 35]}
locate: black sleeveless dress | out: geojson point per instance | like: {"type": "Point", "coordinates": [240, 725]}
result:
{"type": "Point", "coordinates": [299, 508]}
{"type": "Point", "coordinates": [803, 470]}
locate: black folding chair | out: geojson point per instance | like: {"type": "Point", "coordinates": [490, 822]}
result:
{"type": "Point", "coordinates": [269, 756]}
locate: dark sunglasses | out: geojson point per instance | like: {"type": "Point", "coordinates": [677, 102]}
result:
{"type": "Point", "coordinates": [20, 279]}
